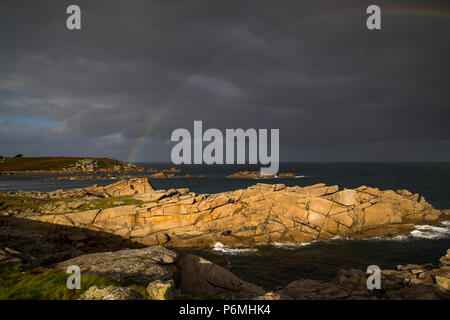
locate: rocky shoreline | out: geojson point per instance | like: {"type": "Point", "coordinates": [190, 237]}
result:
{"type": "Point", "coordinates": [261, 214]}
{"type": "Point", "coordinates": [91, 226]}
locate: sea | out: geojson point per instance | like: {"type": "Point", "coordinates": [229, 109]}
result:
{"type": "Point", "coordinates": [277, 264]}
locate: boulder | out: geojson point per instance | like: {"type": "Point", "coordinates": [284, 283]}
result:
{"type": "Point", "coordinates": [110, 293]}
{"type": "Point", "coordinates": [132, 265]}
{"type": "Point", "coordinates": [161, 290]}
{"type": "Point", "coordinates": [7, 258]}
{"type": "Point", "coordinates": [445, 260]}
{"type": "Point", "coordinates": [443, 283]}
{"type": "Point", "coordinates": [200, 277]}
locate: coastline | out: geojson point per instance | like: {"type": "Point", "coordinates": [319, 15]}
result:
{"type": "Point", "coordinates": [101, 219]}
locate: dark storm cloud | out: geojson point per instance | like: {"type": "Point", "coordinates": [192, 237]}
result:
{"type": "Point", "coordinates": [336, 90]}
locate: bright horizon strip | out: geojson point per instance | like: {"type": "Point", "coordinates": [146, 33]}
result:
{"type": "Point", "coordinates": [422, 11]}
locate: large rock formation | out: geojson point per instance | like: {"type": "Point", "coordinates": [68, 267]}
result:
{"type": "Point", "coordinates": [260, 214]}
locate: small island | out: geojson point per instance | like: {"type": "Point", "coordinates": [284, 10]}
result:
{"type": "Point", "coordinates": [258, 175]}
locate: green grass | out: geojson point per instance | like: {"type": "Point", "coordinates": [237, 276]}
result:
{"type": "Point", "coordinates": [21, 204]}
{"type": "Point", "coordinates": [25, 282]}
{"type": "Point", "coordinates": [24, 203]}
{"type": "Point", "coordinates": [109, 203]}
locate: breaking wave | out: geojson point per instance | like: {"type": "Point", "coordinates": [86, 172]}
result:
{"type": "Point", "coordinates": [422, 232]}
{"type": "Point", "coordinates": [291, 246]}
{"type": "Point", "coordinates": [432, 232]}
{"type": "Point", "coordinates": [221, 248]}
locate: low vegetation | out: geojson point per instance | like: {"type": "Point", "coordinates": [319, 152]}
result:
{"type": "Point", "coordinates": [109, 203]}
{"type": "Point", "coordinates": [49, 163]}
{"type": "Point", "coordinates": [25, 282]}
{"type": "Point", "coordinates": [21, 204]}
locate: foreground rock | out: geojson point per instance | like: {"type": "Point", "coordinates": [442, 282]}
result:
{"type": "Point", "coordinates": [9, 257]}
{"type": "Point", "coordinates": [410, 282]}
{"type": "Point", "coordinates": [140, 266]}
{"type": "Point", "coordinates": [163, 274]}
{"type": "Point", "coordinates": [202, 278]}
{"type": "Point", "coordinates": [261, 214]}
{"type": "Point", "coordinates": [168, 276]}
{"type": "Point", "coordinates": [110, 293]}
{"type": "Point", "coordinates": [161, 290]}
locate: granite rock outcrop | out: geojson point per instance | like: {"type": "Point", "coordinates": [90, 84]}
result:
{"type": "Point", "coordinates": [261, 214]}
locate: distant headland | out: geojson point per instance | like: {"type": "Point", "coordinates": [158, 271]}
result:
{"type": "Point", "coordinates": [69, 167]}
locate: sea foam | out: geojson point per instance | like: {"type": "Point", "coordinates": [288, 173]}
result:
{"type": "Point", "coordinates": [221, 248]}
{"type": "Point", "coordinates": [432, 232]}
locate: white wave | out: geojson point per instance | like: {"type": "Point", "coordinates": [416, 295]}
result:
{"type": "Point", "coordinates": [400, 237]}
{"type": "Point", "coordinates": [220, 247]}
{"type": "Point", "coordinates": [420, 231]}
{"type": "Point", "coordinates": [301, 176]}
{"type": "Point", "coordinates": [291, 246]}
{"type": "Point", "coordinates": [432, 232]}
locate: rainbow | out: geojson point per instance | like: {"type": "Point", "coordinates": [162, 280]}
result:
{"type": "Point", "coordinates": [417, 11]}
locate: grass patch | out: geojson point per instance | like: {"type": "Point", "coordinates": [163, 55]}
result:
{"type": "Point", "coordinates": [109, 203]}
{"type": "Point", "coordinates": [22, 204]}
{"type": "Point", "coordinates": [25, 282]}
{"type": "Point", "coordinates": [19, 204]}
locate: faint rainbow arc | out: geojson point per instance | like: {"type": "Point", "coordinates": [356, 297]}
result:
{"type": "Point", "coordinates": [431, 12]}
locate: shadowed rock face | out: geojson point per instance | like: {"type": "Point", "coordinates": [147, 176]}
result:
{"type": "Point", "coordinates": [128, 266]}
{"type": "Point", "coordinates": [260, 214]}
{"type": "Point", "coordinates": [200, 277]}
{"type": "Point", "coordinates": [409, 282]}
{"type": "Point", "coordinates": [162, 270]}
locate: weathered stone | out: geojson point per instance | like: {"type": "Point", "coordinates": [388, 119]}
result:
{"type": "Point", "coordinates": [200, 277]}
{"type": "Point", "coordinates": [161, 290]}
{"type": "Point", "coordinates": [320, 205]}
{"type": "Point", "coordinates": [110, 293]}
{"type": "Point", "coordinates": [260, 214]}
{"type": "Point", "coordinates": [445, 260]}
{"type": "Point", "coordinates": [136, 265]}
{"type": "Point", "coordinates": [443, 283]}
{"type": "Point", "coordinates": [346, 197]}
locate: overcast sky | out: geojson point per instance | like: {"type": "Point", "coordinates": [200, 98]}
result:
{"type": "Point", "coordinates": [336, 91]}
